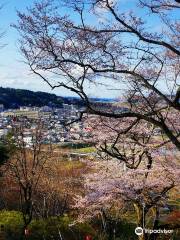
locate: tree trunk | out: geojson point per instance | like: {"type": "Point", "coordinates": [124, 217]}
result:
{"type": "Point", "coordinates": [154, 236]}
{"type": "Point", "coordinates": [141, 220]}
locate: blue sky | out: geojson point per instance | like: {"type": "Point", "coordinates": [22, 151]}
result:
{"type": "Point", "coordinates": [13, 71]}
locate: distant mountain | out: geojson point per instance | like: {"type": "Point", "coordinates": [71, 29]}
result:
{"type": "Point", "coordinates": [14, 98]}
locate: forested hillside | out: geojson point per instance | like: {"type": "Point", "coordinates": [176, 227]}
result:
{"type": "Point", "coordinates": [13, 98]}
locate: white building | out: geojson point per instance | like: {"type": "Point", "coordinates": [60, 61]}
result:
{"type": "Point", "coordinates": [3, 132]}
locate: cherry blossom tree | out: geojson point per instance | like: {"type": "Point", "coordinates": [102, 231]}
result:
{"type": "Point", "coordinates": [120, 49]}
{"type": "Point", "coordinates": [145, 189]}
{"type": "Point", "coordinates": [136, 162]}
{"type": "Point", "coordinates": [130, 141]}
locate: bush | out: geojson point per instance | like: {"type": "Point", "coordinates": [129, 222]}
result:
{"type": "Point", "coordinates": [13, 224]}
{"type": "Point", "coordinates": [56, 227]}
{"type": "Point", "coordinates": [50, 228]}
